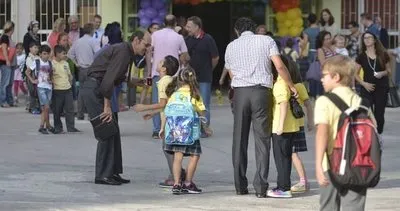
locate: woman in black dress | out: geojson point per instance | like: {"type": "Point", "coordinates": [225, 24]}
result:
{"type": "Point", "coordinates": [375, 62]}
{"type": "Point", "coordinates": [31, 36]}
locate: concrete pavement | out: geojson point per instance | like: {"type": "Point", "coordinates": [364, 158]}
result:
{"type": "Point", "coordinates": [55, 172]}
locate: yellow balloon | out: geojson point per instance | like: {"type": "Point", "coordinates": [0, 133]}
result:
{"type": "Point", "coordinates": [283, 31]}
{"type": "Point", "coordinates": [294, 31]}
{"type": "Point", "coordinates": [298, 11]}
{"type": "Point", "coordinates": [280, 16]}
{"type": "Point", "coordinates": [291, 14]}
{"type": "Point", "coordinates": [298, 22]}
{"type": "Point", "coordinates": [288, 23]}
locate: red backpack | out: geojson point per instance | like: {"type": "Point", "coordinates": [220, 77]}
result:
{"type": "Point", "coordinates": [355, 161]}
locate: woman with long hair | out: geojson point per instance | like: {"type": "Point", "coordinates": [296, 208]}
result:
{"type": "Point", "coordinates": [327, 22]}
{"type": "Point", "coordinates": [375, 62]}
{"type": "Point", "coordinates": [58, 27]}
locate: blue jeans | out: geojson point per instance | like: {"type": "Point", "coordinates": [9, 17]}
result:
{"type": "Point", "coordinates": [154, 100]}
{"type": "Point", "coordinates": [397, 80]}
{"type": "Point", "coordinates": [5, 81]}
{"type": "Point", "coordinates": [9, 89]}
{"type": "Point", "coordinates": [205, 92]}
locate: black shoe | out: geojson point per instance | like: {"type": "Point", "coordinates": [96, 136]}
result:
{"type": "Point", "coordinates": [81, 117]}
{"type": "Point", "coordinates": [73, 130]}
{"type": "Point", "coordinates": [177, 190]}
{"type": "Point", "coordinates": [58, 131]}
{"type": "Point", "coordinates": [155, 135]}
{"type": "Point", "coordinates": [107, 181]}
{"type": "Point", "coordinates": [261, 195]}
{"type": "Point", "coordinates": [51, 129]}
{"type": "Point", "coordinates": [242, 192]}
{"type": "Point", "coordinates": [118, 178]}
{"type": "Point", "coordinates": [43, 131]}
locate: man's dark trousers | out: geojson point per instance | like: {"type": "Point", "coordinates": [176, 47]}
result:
{"type": "Point", "coordinates": [109, 154]}
{"type": "Point", "coordinates": [252, 105]}
{"type": "Point", "coordinates": [63, 99]}
{"type": "Point", "coordinates": [82, 78]}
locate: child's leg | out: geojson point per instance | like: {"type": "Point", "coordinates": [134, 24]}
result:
{"type": "Point", "coordinates": [16, 86]}
{"type": "Point", "coordinates": [298, 165]}
{"type": "Point", "coordinates": [143, 95]}
{"type": "Point", "coordinates": [22, 87]}
{"type": "Point", "coordinates": [46, 111]}
{"type": "Point", "coordinates": [282, 148]}
{"type": "Point", "coordinates": [177, 167]}
{"type": "Point", "coordinates": [42, 117]}
{"type": "Point", "coordinates": [191, 168]}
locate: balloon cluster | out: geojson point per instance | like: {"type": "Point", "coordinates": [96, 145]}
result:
{"type": "Point", "coordinates": [196, 2]}
{"type": "Point", "coordinates": [288, 16]}
{"type": "Point", "coordinates": [152, 11]}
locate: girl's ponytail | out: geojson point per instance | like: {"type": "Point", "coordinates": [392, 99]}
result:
{"type": "Point", "coordinates": [171, 88]}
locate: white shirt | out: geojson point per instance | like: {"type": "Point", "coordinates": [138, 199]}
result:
{"type": "Point", "coordinates": [43, 75]}
{"type": "Point", "coordinates": [342, 51]}
{"type": "Point", "coordinates": [249, 59]}
{"type": "Point", "coordinates": [97, 36]}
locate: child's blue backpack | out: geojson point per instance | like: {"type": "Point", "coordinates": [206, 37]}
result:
{"type": "Point", "coordinates": [182, 125]}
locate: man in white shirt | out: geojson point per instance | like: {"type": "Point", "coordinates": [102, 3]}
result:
{"type": "Point", "coordinates": [248, 60]}
{"type": "Point", "coordinates": [98, 31]}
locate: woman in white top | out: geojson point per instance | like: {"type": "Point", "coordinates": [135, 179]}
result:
{"type": "Point", "coordinates": [327, 22]}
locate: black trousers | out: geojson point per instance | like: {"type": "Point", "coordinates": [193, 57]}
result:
{"type": "Point", "coordinates": [282, 147]}
{"type": "Point", "coordinates": [252, 105]}
{"type": "Point", "coordinates": [378, 99]}
{"type": "Point", "coordinates": [62, 100]}
{"type": "Point", "coordinates": [109, 154]}
{"type": "Point", "coordinates": [82, 78]}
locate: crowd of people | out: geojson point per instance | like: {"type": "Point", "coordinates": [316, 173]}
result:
{"type": "Point", "coordinates": [93, 66]}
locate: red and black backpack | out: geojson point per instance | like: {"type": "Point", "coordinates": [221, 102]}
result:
{"type": "Point", "coordinates": [355, 161]}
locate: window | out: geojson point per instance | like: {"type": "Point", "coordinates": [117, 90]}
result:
{"type": "Point", "coordinates": [86, 9]}
{"type": "Point", "coordinates": [5, 12]}
{"type": "Point", "coordinates": [349, 12]}
{"type": "Point", "coordinates": [130, 21]}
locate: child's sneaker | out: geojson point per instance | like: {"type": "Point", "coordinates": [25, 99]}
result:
{"type": "Point", "coordinates": [43, 131]}
{"type": "Point", "coordinates": [166, 183]}
{"type": "Point", "coordinates": [300, 187]}
{"type": "Point", "coordinates": [277, 193]}
{"type": "Point", "coordinates": [177, 189]}
{"type": "Point", "coordinates": [192, 189]}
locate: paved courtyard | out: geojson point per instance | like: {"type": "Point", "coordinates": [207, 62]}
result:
{"type": "Point", "coordinates": [55, 172]}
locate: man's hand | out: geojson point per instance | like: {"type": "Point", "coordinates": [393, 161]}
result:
{"type": "Point", "coordinates": [106, 116]}
{"type": "Point", "coordinates": [322, 180]}
{"type": "Point", "coordinates": [8, 63]}
{"type": "Point", "coordinates": [138, 107]}
{"type": "Point", "coordinates": [221, 82]}
{"type": "Point", "coordinates": [148, 116]}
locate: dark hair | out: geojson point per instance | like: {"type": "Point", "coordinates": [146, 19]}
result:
{"type": "Point", "coordinates": [353, 24]}
{"type": "Point", "coordinates": [62, 34]}
{"type": "Point", "coordinates": [44, 48]}
{"type": "Point", "coordinates": [97, 16]}
{"type": "Point", "coordinates": [171, 64]}
{"type": "Point", "coordinates": [196, 21]}
{"type": "Point", "coordinates": [170, 20]}
{"type": "Point", "coordinates": [151, 26]}
{"type": "Point", "coordinates": [19, 45]}
{"type": "Point", "coordinates": [366, 16]}
{"type": "Point", "coordinates": [331, 18]}
{"type": "Point", "coordinates": [292, 69]}
{"type": "Point", "coordinates": [33, 44]}
{"type": "Point", "coordinates": [269, 33]}
{"type": "Point", "coordinates": [320, 38]}
{"type": "Point", "coordinates": [88, 28]}
{"type": "Point", "coordinates": [312, 18]}
{"type": "Point", "coordinates": [139, 34]}
{"type": "Point", "coordinates": [186, 76]}
{"type": "Point", "coordinates": [289, 43]}
{"type": "Point", "coordinates": [380, 51]}
{"type": "Point", "coordinates": [113, 32]}
{"type": "Point", "coordinates": [59, 49]}
{"type": "Point", "coordinates": [244, 24]}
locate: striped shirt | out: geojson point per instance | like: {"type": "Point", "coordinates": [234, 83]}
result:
{"type": "Point", "coordinates": [249, 59]}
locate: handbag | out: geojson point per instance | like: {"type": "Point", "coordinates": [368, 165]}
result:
{"type": "Point", "coordinates": [296, 108]}
{"type": "Point", "coordinates": [11, 53]}
{"type": "Point", "coordinates": [314, 71]}
{"type": "Point", "coordinates": [393, 96]}
{"type": "Point", "coordinates": [103, 130]}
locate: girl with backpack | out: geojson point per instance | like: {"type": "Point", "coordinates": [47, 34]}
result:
{"type": "Point", "coordinates": [184, 87]}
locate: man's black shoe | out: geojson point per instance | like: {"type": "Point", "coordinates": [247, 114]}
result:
{"type": "Point", "coordinates": [81, 117]}
{"type": "Point", "coordinates": [242, 192]}
{"type": "Point", "coordinates": [73, 130]}
{"type": "Point", "coordinates": [118, 178]}
{"type": "Point", "coordinates": [107, 181]}
{"type": "Point", "coordinates": [261, 195]}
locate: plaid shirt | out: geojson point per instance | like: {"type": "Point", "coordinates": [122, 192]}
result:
{"type": "Point", "coordinates": [249, 60]}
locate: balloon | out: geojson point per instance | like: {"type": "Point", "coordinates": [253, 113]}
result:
{"type": "Point", "coordinates": [162, 13]}
{"type": "Point", "coordinates": [158, 20]}
{"type": "Point", "coordinates": [141, 13]}
{"type": "Point", "coordinates": [157, 4]}
{"type": "Point", "coordinates": [145, 22]}
{"type": "Point", "coordinates": [151, 13]}
{"type": "Point", "coordinates": [298, 12]}
{"type": "Point", "coordinates": [283, 31]}
{"type": "Point", "coordinates": [283, 7]}
{"type": "Point", "coordinates": [145, 4]}
{"type": "Point", "coordinates": [298, 22]}
{"type": "Point", "coordinates": [294, 31]}
{"type": "Point", "coordinates": [288, 23]}
{"type": "Point", "coordinates": [291, 14]}
{"type": "Point", "coordinates": [280, 16]}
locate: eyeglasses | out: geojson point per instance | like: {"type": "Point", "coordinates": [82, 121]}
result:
{"type": "Point", "coordinates": [368, 38]}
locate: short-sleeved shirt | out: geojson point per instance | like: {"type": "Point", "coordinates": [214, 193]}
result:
{"type": "Point", "coordinates": [354, 46]}
{"type": "Point", "coordinates": [201, 51]}
{"type": "Point", "coordinates": [4, 39]}
{"type": "Point", "coordinates": [333, 29]}
{"type": "Point", "coordinates": [61, 75]}
{"type": "Point", "coordinates": [249, 59]}
{"type": "Point", "coordinates": [166, 42]}
{"type": "Point", "coordinates": [312, 36]}
{"type": "Point", "coordinates": [43, 75]}
{"type": "Point", "coordinates": [162, 87]}
{"type": "Point", "coordinates": [325, 112]}
{"type": "Point", "coordinates": [303, 96]}
{"type": "Point", "coordinates": [369, 77]}
{"type": "Point", "coordinates": [281, 94]}
{"type": "Point", "coordinates": [198, 104]}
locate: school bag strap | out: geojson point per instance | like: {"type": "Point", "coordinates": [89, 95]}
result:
{"type": "Point", "coordinates": [37, 62]}
{"type": "Point", "coordinates": [339, 103]}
